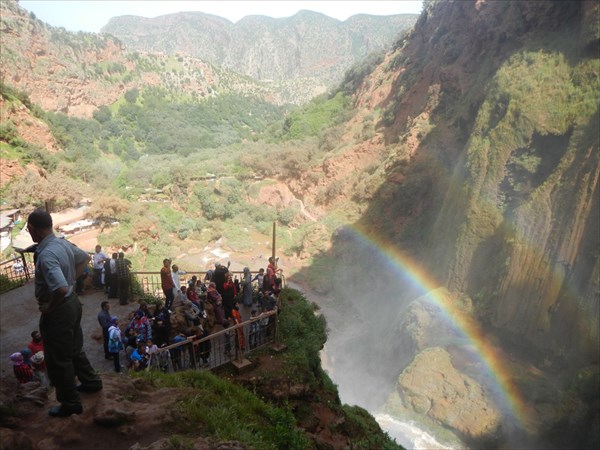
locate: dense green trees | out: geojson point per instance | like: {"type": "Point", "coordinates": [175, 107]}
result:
{"type": "Point", "coordinates": [173, 171]}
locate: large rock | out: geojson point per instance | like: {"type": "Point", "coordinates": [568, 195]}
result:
{"type": "Point", "coordinates": [431, 386]}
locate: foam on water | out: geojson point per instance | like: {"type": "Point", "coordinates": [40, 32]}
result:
{"type": "Point", "coordinates": [410, 436]}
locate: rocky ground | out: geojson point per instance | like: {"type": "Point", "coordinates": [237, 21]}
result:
{"type": "Point", "coordinates": [18, 317]}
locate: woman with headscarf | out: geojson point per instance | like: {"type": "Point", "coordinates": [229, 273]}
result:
{"type": "Point", "coordinates": [229, 293]}
{"type": "Point", "coordinates": [247, 287]}
{"type": "Point", "coordinates": [141, 325]}
{"type": "Point", "coordinates": [216, 300]}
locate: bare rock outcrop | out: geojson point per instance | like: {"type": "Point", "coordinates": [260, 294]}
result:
{"type": "Point", "coordinates": [432, 386]}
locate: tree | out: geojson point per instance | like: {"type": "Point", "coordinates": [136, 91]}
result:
{"type": "Point", "coordinates": [102, 114]}
{"type": "Point", "coordinates": [108, 208]}
{"type": "Point", "coordinates": [131, 95]}
{"type": "Point", "coordinates": [55, 190]}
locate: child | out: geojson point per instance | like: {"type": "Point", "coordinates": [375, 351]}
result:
{"type": "Point", "coordinates": [139, 357]}
{"type": "Point", "coordinates": [21, 369]}
{"type": "Point", "coordinates": [115, 342]}
{"type": "Point", "coordinates": [38, 367]}
{"type": "Point", "coordinates": [152, 350]}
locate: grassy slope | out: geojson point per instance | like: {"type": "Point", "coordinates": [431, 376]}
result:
{"type": "Point", "coordinates": [222, 407]}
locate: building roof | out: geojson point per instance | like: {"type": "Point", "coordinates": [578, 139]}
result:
{"type": "Point", "coordinates": [77, 225]}
{"type": "Point", "coordinates": [22, 240]}
{"type": "Point", "coordinates": [9, 212]}
{"type": "Point", "coordinates": [68, 216]}
{"type": "Point", "coordinates": [5, 221]}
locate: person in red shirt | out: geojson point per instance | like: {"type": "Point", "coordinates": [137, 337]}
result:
{"type": "Point", "coordinates": [36, 344]}
{"type": "Point", "coordinates": [167, 284]}
{"type": "Point", "coordinates": [229, 294]}
{"type": "Point", "coordinates": [269, 279]}
{"type": "Point", "coordinates": [21, 369]}
{"type": "Point", "coordinates": [237, 319]}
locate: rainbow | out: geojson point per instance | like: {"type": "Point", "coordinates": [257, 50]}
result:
{"type": "Point", "coordinates": [490, 355]}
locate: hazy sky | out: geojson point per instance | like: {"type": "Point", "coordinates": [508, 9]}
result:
{"type": "Point", "coordinates": [91, 15]}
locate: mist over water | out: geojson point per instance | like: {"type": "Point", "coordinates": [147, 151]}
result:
{"type": "Point", "coordinates": [367, 347]}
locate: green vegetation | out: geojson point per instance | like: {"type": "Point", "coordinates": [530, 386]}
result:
{"type": "Point", "coordinates": [10, 94]}
{"type": "Point", "coordinates": [318, 115]}
{"type": "Point", "coordinates": [357, 73]}
{"type": "Point", "coordinates": [7, 284]}
{"type": "Point", "coordinates": [216, 407]}
{"type": "Point", "coordinates": [364, 430]}
{"type": "Point", "coordinates": [150, 122]}
{"type": "Point", "coordinates": [304, 333]}
{"type": "Point", "coordinates": [533, 92]}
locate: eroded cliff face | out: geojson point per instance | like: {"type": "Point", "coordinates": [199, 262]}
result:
{"type": "Point", "coordinates": [75, 73]}
{"type": "Point", "coordinates": [501, 98]}
{"type": "Point", "coordinates": [53, 65]}
{"type": "Point", "coordinates": [522, 203]}
{"type": "Point", "coordinates": [491, 152]}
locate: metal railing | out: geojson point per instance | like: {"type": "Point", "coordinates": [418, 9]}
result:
{"type": "Point", "coordinates": [18, 270]}
{"type": "Point", "coordinates": [231, 344]}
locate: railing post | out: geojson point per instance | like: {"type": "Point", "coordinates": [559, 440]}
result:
{"type": "Point", "coordinates": [274, 241]}
{"type": "Point", "coordinates": [277, 327]}
{"type": "Point", "coordinates": [238, 357]}
{"type": "Point", "coordinates": [25, 268]}
{"type": "Point", "coordinates": [239, 362]}
{"type": "Point", "coordinates": [277, 346]}
{"type": "Point", "coordinates": [192, 355]}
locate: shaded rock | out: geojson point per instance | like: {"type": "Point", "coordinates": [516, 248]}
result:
{"type": "Point", "coordinates": [432, 386]}
{"type": "Point", "coordinates": [35, 393]}
{"type": "Point", "coordinates": [197, 444]}
{"type": "Point", "coordinates": [110, 413]}
{"type": "Point", "coordinates": [15, 440]}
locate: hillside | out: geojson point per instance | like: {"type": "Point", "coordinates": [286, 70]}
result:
{"type": "Point", "coordinates": [75, 73]}
{"type": "Point", "coordinates": [442, 205]}
{"type": "Point", "coordinates": [479, 178]}
{"type": "Point", "coordinates": [307, 45]}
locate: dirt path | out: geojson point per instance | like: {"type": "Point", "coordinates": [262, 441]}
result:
{"type": "Point", "coordinates": [19, 316]}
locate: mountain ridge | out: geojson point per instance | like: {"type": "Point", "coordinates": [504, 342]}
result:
{"type": "Point", "coordinates": [260, 46]}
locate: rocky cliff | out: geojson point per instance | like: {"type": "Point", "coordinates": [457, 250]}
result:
{"type": "Point", "coordinates": [75, 73]}
{"type": "Point", "coordinates": [487, 145]}
{"type": "Point", "coordinates": [515, 227]}
{"type": "Point", "coordinates": [307, 45]}
{"type": "Point", "coordinates": [53, 65]}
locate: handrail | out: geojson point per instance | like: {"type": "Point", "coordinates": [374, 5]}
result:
{"type": "Point", "coordinates": [187, 354]}
{"type": "Point", "coordinates": [18, 269]}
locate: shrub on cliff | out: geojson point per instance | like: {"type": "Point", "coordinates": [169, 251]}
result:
{"type": "Point", "coordinates": [219, 408]}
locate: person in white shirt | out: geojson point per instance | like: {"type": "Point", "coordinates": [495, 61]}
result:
{"type": "Point", "coordinates": [176, 274]}
{"type": "Point", "coordinates": [98, 264]}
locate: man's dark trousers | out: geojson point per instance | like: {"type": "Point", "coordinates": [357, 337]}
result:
{"type": "Point", "coordinates": [63, 351]}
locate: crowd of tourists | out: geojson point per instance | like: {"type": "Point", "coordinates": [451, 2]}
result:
{"type": "Point", "coordinates": [112, 275]}
{"type": "Point", "coordinates": [192, 311]}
